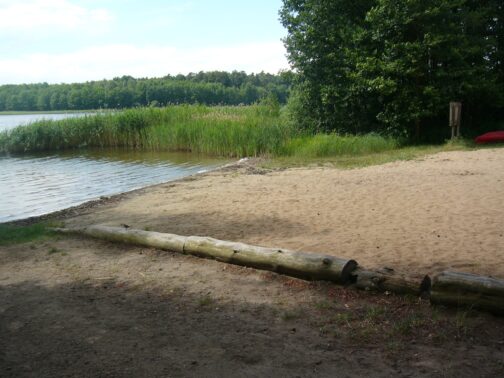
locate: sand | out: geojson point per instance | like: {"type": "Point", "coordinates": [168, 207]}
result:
{"type": "Point", "coordinates": [444, 211]}
{"type": "Point", "coordinates": [75, 306]}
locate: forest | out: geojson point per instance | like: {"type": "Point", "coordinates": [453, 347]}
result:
{"type": "Point", "coordinates": [209, 88]}
{"type": "Point", "coordinates": [393, 66]}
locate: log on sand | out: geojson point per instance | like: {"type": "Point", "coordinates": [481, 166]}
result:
{"type": "Point", "coordinates": [298, 264]}
{"type": "Point", "coordinates": [468, 290]}
{"type": "Point", "coordinates": [310, 266]}
{"type": "Point", "coordinates": [448, 288]}
{"type": "Point", "coordinates": [387, 280]}
{"type": "Point", "coordinates": [159, 240]}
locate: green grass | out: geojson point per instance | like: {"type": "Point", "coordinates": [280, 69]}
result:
{"type": "Point", "coordinates": [364, 159]}
{"type": "Point", "coordinates": [10, 234]}
{"type": "Point", "coordinates": [324, 145]}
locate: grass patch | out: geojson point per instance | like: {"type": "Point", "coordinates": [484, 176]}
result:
{"type": "Point", "coordinates": [294, 314]}
{"type": "Point", "coordinates": [11, 234]}
{"type": "Point", "coordinates": [53, 250]}
{"type": "Point", "coordinates": [324, 145]}
{"type": "Point", "coordinates": [205, 301]}
{"type": "Point", "coordinates": [343, 319]}
{"type": "Point", "coordinates": [364, 159]}
{"type": "Point", "coordinates": [324, 305]}
{"type": "Point", "coordinates": [409, 324]}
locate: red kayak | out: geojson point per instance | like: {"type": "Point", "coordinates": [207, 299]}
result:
{"type": "Point", "coordinates": [491, 137]}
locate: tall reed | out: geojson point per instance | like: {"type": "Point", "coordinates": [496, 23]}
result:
{"type": "Point", "coordinates": [223, 131]}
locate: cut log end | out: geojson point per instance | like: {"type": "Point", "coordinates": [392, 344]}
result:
{"type": "Point", "coordinates": [425, 286]}
{"type": "Point", "coordinates": [347, 273]}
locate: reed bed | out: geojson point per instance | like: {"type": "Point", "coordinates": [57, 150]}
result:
{"type": "Point", "coordinates": [241, 131]}
{"type": "Point", "coordinates": [223, 131]}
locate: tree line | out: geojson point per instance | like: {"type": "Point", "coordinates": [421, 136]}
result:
{"type": "Point", "coordinates": [393, 66]}
{"type": "Point", "coordinates": [210, 88]}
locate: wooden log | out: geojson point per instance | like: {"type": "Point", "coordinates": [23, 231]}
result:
{"type": "Point", "coordinates": [305, 265]}
{"type": "Point", "coordinates": [388, 280]}
{"type": "Point", "coordinates": [159, 240]}
{"type": "Point", "coordinates": [468, 290]}
{"type": "Point", "coordinates": [298, 264]}
{"type": "Point", "coordinates": [469, 282]}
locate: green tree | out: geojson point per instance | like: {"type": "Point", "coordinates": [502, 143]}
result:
{"type": "Point", "coordinates": [320, 45]}
{"type": "Point", "coordinates": [422, 54]}
{"type": "Point", "coordinates": [393, 65]}
{"type": "Point", "coordinates": [209, 88]}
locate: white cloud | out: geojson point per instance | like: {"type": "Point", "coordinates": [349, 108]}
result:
{"type": "Point", "coordinates": [53, 15]}
{"type": "Point", "coordinates": [109, 61]}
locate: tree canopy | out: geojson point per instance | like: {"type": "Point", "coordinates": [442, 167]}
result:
{"type": "Point", "coordinates": [394, 65]}
{"type": "Point", "coordinates": [210, 88]}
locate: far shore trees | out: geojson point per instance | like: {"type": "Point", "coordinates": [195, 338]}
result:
{"type": "Point", "coordinates": [209, 88]}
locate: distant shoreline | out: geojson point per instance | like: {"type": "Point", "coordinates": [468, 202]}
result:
{"type": "Point", "coordinates": [27, 112]}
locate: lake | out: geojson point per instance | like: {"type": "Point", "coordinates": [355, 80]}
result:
{"type": "Point", "coordinates": [9, 121]}
{"type": "Point", "coordinates": [37, 184]}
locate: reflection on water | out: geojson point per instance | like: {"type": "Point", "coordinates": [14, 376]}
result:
{"type": "Point", "coordinates": [10, 121]}
{"type": "Point", "coordinates": [33, 185]}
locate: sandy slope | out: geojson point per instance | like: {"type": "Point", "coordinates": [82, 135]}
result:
{"type": "Point", "coordinates": [422, 216]}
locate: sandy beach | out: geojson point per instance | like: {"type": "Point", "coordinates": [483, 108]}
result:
{"type": "Point", "coordinates": [423, 216]}
{"type": "Point", "coordinates": [74, 306]}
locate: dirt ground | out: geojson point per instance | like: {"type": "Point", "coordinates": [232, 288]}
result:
{"type": "Point", "coordinates": [86, 308]}
{"type": "Point", "coordinates": [72, 306]}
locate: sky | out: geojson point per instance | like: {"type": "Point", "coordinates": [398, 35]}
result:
{"type": "Point", "coordinates": [66, 41]}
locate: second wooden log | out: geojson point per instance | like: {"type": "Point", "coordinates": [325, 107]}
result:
{"type": "Point", "coordinates": [468, 290]}
{"type": "Point", "coordinates": [388, 280]}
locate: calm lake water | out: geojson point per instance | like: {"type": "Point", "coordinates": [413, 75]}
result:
{"type": "Point", "coordinates": [38, 184]}
{"type": "Point", "coordinates": [10, 121]}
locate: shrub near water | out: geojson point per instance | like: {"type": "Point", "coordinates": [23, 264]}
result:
{"type": "Point", "coordinates": [223, 131]}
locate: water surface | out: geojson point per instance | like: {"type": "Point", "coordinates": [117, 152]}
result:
{"type": "Point", "coordinates": [32, 185]}
{"type": "Point", "coordinates": [10, 121]}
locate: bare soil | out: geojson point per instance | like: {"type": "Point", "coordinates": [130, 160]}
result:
{"type": "Point", "coordinates": [79, 307]}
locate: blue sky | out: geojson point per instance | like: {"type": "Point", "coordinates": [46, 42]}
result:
{"type": "Point", "coordinates": [77, 40]}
